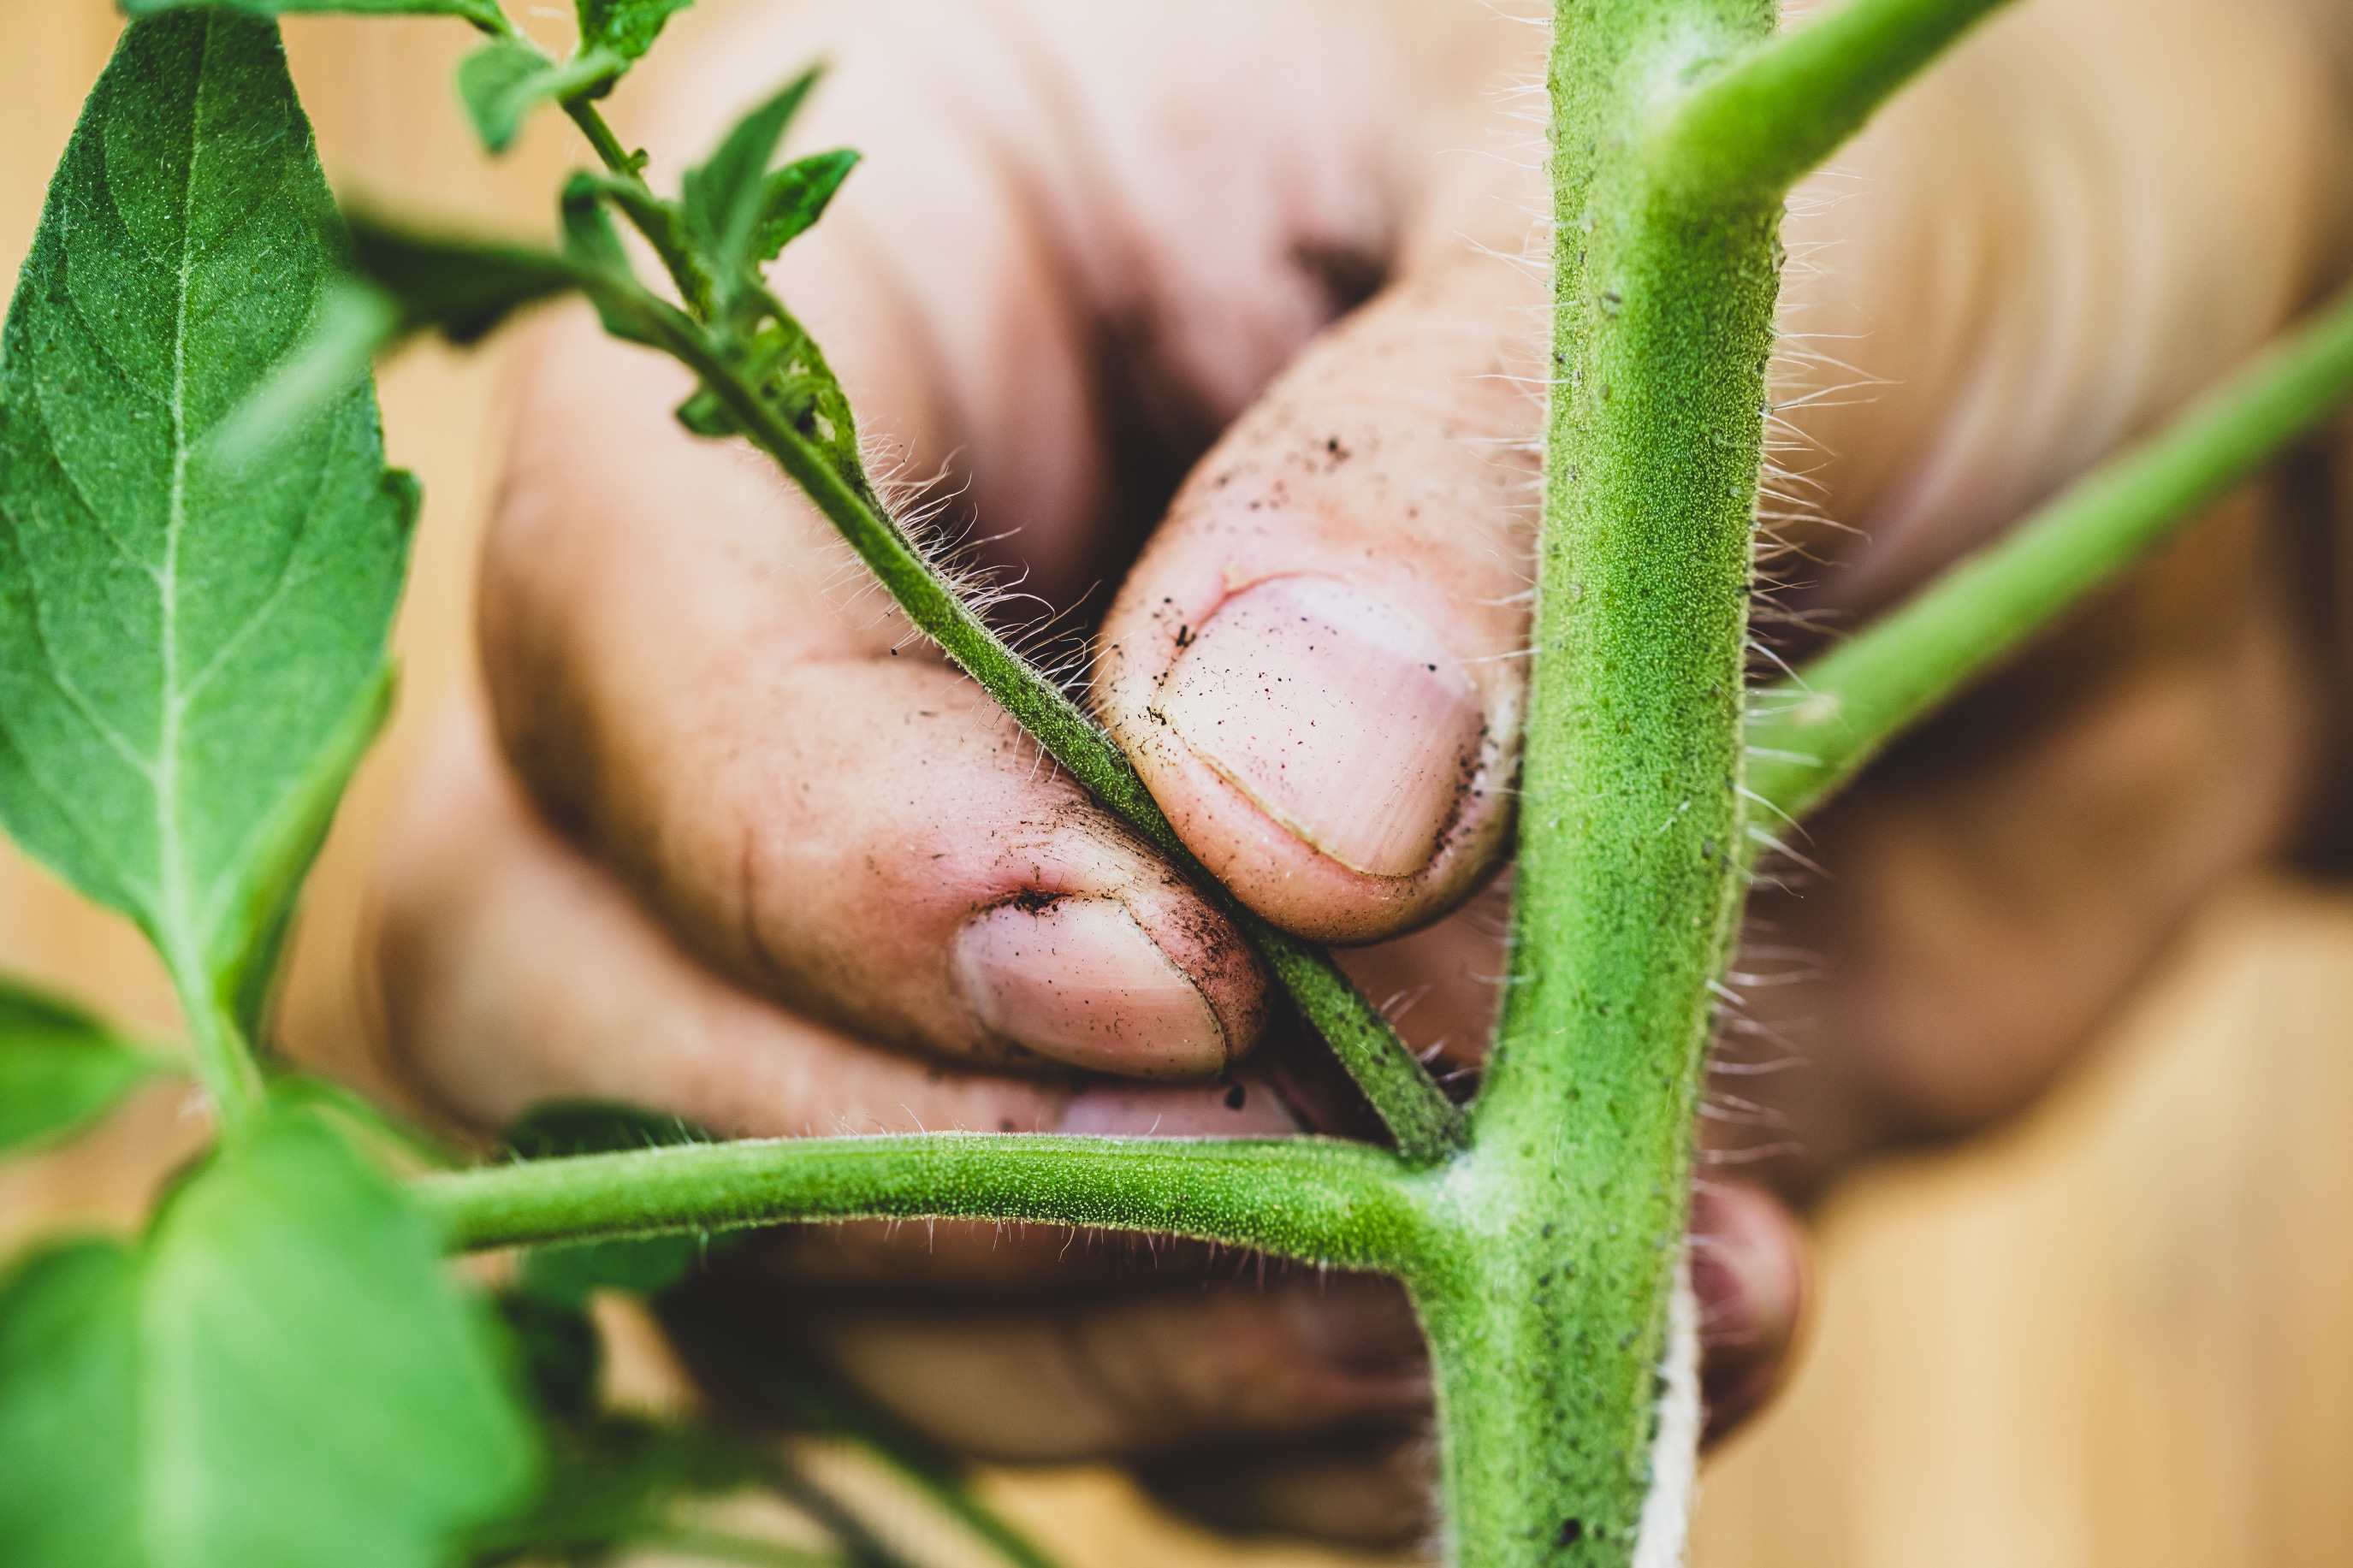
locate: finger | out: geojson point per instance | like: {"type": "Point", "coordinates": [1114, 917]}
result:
{"type": "Point", "coordinates": [2032, 256]}
{"type": "Point", "coordinates": [515, 971]}
{"type": "Point", "coordinates": [843, 827]}
{"type": "Point", "coordinates": [1315, 664]}
{"type": "Point", "coordinates": [678, 667]}
{"type": "Point", "coordinates": [1079, 239]}
{"type": "Point", "coordinates": [1368, 1482]}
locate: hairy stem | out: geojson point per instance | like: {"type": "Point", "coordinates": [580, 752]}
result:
{"type": "Point", "coordinates": [1547, 1338]}
{"type": "Point", "coordinates": [1322, 1200]}
{"type": "Point", "coordinates": [1812, 734]}
{"type": "Point", "coordinates": [1546, 1298]}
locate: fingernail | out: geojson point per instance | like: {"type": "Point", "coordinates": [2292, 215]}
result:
{"type": "Point", "coordinates": [1078, 981]}
{"type": "Point", "coordinates": [1347, 722]}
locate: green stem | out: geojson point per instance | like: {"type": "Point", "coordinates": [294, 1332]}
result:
{"type": "Point", "coordinates": [1812, 734]}
{"type": "Point", "coordinates": [1429, 1127]}
{"type": "Point", "coordinates": [1425, 1125]}
{"type": "Point", "coordinates": [1753, 129]}
{"type": "Point", "coordinates": [1546, 1302]}
{"type": "Point", "coordinates": [1319, 1199]}
{"type": "Point", "coordinates": [1547, 1332]}
{"type": "Point", "coordinates": [993, 1529]}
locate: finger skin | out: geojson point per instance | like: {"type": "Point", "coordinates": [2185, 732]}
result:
{"type": "Point", "coordinates": [2028, 260]}
{"type": "Point", "coordinates": [1369, 1481]}
{"type": "Point", "coordinates": [515, 971]}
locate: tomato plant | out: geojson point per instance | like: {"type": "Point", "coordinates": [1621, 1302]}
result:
{"type": "Point", "coordinates": [201, 550]}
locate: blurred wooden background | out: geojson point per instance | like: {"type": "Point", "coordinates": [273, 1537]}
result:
{"type": "Point", "coordinates": [2118, 1333]}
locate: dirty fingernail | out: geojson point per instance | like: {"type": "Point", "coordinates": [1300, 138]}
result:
{"type": "Point", "coordinates": [1080, 982]}
{"type": "Point", "coordinates": [1347, 722]}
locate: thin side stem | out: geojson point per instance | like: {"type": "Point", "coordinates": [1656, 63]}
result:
{"type": "Point", "coordinates": [1429, 1127]}
{"type": "Point", "coordinates": [1772, 115]}
{"type": "Point", "coordinates": [1322, 1200]}
{"type": "Point", "coordinates": [1812, 734]}
{"type": "Point", "coordinates": [1425, 1125]}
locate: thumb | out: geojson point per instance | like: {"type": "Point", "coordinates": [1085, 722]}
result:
{"type": "Point", "coordinates": [1314, 663]}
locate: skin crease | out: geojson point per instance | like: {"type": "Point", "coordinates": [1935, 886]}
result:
{"type": "Point", "coordinates": [714, 843]}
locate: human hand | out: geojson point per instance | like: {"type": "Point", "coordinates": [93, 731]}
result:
{"type": "Point", "coordinates": [802, 878]}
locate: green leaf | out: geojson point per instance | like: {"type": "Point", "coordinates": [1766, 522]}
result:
{"type": "Point", "coordinates": [353, 324]}
{"type": "Point", "coordinates": [797, 195]}
{"type": "Point", "coordinates": [627, 28]}
{"type": "Point", "coordinates": [483, 14]}
{"type": "Point", "coordinates": [461, 287]}
{"type": "Point", "coordinates": [60, 1068]}
{"type": "Point", "coordinates": [565, 1274]}
{"type": "Point", "coordinates": [589, 237]}
{"type": "Point", "coordinates": [280, 1374]}
{"type": "Point", "coordinates": [726, 199]}
{"type": "Point", "coordinates": [192, 654]}
{"type": "Point", "coordinates": [507, 77]}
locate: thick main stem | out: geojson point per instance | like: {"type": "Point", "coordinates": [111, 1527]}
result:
{"type": "Point", "coordinates": [1548, 1333]}
{"type": "Point", "coordinates": [1674, 137]}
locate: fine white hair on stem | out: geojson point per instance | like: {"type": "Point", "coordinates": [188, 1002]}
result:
{"type": "Point", "coordinates": [1674, 1442]}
